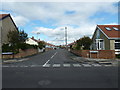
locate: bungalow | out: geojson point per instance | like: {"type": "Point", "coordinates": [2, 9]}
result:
{"type": "Point", "coordinates": [6, 24]}
{"type": "Point", "coordinates": [32, 41]}
{"type": "Point", "coordinates": [49, 46]}
{"type": "Point", "coordinates": [106, 37]}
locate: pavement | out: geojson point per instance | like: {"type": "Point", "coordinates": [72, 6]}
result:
{"type": "Point", "coordinates": [14, 60]}
{"type": "Point", "coordinates": [113, 62]}
{"type": "Point", "coordinates": [57, 69]}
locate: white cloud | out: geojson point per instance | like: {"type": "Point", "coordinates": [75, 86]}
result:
{"type": "Point", "coordinates": [20, 20]}
{"type": "Point", "coordinates": [58, 35]}
{"type": "Point", "coordinates": [111, 23]}
{"type": "Point", "coordinates": [45, 11]}
{"type": "Point", "coordinates": [60, 1]}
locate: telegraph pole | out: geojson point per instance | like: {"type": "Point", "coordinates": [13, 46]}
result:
{"type": "Point", "coordinates": [0, 55]}
{"type": "Point", "coordinates": [0, 44]}
{"type": "Point", "coordinates": [66, 36]}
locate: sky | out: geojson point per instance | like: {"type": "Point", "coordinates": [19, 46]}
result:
{"type": "Point", "coordinates": [51, 18]}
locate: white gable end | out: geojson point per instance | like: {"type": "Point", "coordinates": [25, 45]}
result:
{"type": "Point", "coordinates": [31, 42]}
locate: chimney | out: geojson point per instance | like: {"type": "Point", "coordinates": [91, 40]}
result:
{"type": "Point", "coordinates": [32, 37]}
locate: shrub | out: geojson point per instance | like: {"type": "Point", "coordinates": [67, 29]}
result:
{"type": "Point", "coordinates": [6, 48]}
{"type": "Point", "coordinates": [10, 48]}
{"type": "Point", "coordinates": [118, 56]}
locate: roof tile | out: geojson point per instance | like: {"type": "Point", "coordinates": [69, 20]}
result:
{"type": "Point", "coordinates": [3, 15]}
{"type": "Point", "coordinates": [110, 33]}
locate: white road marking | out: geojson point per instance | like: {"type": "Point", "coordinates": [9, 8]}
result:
{"type": "Point", "coordinates": [53, 55]}
{"type": "Point", "coordinates": [47, 65]}
{"type": "Point", "coordinates": [49, 59]}
{"type": "Point", "coordinates": [107, 65]}
{"type": "Point", "coordinates": [25, 66]}
{"type": "Point", "coordinates": [86, 65]}
{"type": "Point", "coordinates": [35, 65]}
{"type": "Point", "coordinates": [5, 66]}
{"type": "Point", "coordinates": [13, 66]}
{"type": "Point", "coordinates": [21, 66]}
{"type": "Point", "coordinates": [76, 65]}
{"type": "Point", "coordinates": [56, 65]}
{"type": "Point", "coordinates": [66, 65]}
{"type": "Point", "coordinates": [96, 65]}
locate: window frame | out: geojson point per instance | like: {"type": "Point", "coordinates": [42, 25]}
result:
{"type": "Point", "coordinates": [116, 43]}
{"type": "Point", "coordinates": [97, 43]}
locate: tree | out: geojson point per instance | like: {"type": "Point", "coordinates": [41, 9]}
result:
{"type": "Point", "coordinates": [84, 43]}
{"type": "Point", "coordinates": [13, 37]}
{"type": "Point", "coordinates": [17, 39]}
{"type": "Point", "coordinates": [22, 36]}
{"type": "Point", "coordinates": [41, 44]}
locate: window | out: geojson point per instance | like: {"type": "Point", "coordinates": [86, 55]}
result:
{"type": "Point", "coordinates": [117, 44]}
{"type": "Point", "coordinates": [100, 44]}
{"type": "Point", "coordinates": [108, 28]}
{"type": "Point", "coordinates": [115, 28]}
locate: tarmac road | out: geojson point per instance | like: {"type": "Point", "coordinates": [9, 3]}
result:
{"type": "Point", "coordinates": [55, 69]}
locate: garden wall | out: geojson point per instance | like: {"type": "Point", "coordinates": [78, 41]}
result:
{"type": "Point", "coordinates": [101, 54]}
{"type": "Point", "coordinates": [22, 53]}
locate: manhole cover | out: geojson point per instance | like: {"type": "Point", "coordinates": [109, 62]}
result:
{"type": "Point", "coordinates": [44, 82]}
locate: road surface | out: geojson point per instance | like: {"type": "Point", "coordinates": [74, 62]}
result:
{"type": "Point", "coordinates": [56, 69]}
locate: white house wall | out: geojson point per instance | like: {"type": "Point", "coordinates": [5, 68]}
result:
{"type": "Point", "coordinates": [31, 42]}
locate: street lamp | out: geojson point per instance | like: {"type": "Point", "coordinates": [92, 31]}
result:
{"type": "Point", "coordinates": [38, 34]}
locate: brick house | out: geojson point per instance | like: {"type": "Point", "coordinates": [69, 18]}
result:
{"type": "Point", "coordinates": [6, 24]}
{"type": "Point", "coordinates": [106, 37]}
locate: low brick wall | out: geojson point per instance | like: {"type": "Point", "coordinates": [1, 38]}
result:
{"type": "Point", "coordinates": [101, 54]}
{"type": "Point", "coordinates": [22, 53]}
{"type": "Point", "coordinates": [47, 49]}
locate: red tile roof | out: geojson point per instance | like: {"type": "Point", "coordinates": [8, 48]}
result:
{"type": "Point", "coordinates": [110, 33]}
{"type": "Point", "coordinates": [42, 41]}
{"type": "Point", "coordinates": [72, 43]}
{"type": "Point", "coordinates": [49, 44]}
{"type": "Point", "coordinates": [34, 39]}
{"type": "Point", "coordinates": [3, 15]}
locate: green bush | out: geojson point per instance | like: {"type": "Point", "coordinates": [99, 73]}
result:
{"type": "Point", "coordinates": [118, 56]}
{"type": "Point", "coordinates": [15, 48]}
{"type": "Point", "coordinates": [25, 46]}
{"type": "Point", "coordinates": [6, 48]}
{"type": "Point", "coordinates": [85, 42]}
{"type": "Point", "coordinates": [78, 47]}
{"type": "Point", "coordinates": [10, 48]}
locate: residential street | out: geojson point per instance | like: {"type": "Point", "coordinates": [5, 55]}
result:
{"type": "Point", "coordinates": [56, 69]}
